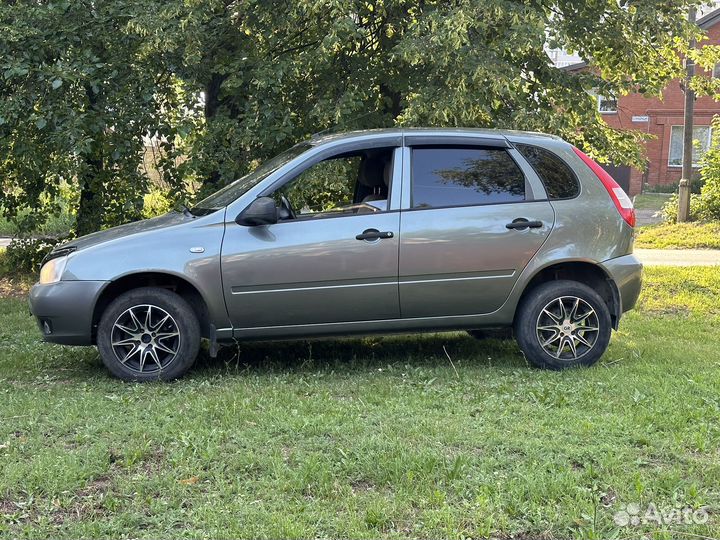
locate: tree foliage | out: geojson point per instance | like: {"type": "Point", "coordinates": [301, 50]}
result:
{"type": "Point", "coordinates": [225, 83]}
{"type": "Point", "coordinates": [80, 91]}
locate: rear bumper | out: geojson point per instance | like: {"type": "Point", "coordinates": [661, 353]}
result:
{"type": "Point", "coordinates": [64, 310]}
{"type": "Point", "coordinates": [626, 273]}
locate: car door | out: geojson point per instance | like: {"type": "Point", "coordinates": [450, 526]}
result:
{"type": "Point", "coordinates": [315, 269]}
{"type": "Point", "coordinates": [473, 216]}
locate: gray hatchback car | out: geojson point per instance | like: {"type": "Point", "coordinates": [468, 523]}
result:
{"type": "Point", "coordinates": [383, 231]}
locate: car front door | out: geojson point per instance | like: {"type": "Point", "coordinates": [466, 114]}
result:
{"type": "Point", "coordinates": [335, 261]}
{"type": "Point", "coordinates": [473, 216]}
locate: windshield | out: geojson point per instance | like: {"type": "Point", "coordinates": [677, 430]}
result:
{"type": "Point", "coordinates": [239, 187]}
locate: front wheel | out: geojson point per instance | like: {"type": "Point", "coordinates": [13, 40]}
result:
{"type": "Point", "coordinates": [148, 334]}
{"type": "Point", "coordinates": [563, 324]}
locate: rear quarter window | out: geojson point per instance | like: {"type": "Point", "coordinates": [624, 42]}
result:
{"type": "Point", "coordinates": [559, 180]}
{"type": "Point", "coordinates": [464, 176]}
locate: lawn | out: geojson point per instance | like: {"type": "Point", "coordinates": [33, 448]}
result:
{"type": "Point", "coordinates": [650, 201]}
{"type": "Point", "coordinates": [371, 438]}
{"type": "Point", "coordinates": [679, 236]}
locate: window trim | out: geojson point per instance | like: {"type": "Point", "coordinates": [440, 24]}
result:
{"type": "Point", "coordinates": [693, 165]}
{"type": "Point", "coordinates": [529, 192]}
{"type": "Point", "coordinates": [308, 217]}
{"type": "Point", "coordinates": [599, 98]}
{"type": "Point", "coordinates": [572, 172]}
{"type": "Point", "coordinates": [293, 174]}
{"type": "Point", "coordinates": [413, 140]}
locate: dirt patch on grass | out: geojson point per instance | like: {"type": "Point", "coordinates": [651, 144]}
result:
{"type": "Point", "coordinates": [524, 536]}
{"type": "Point", "coordinates": [14, 288]}
{"type": "Point", "coordinates": [7, 507]}
{"type": "Point", "coordinates": [86, 502]}
{"type": "Point", "coordinates": [99, 485]}
{"type": "Point", "coordinates": [362, 486]}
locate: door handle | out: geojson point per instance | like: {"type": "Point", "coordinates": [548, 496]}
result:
{"type": "Point", "coordinates": [373, 234]}
{"type": "Point", "coordinates": [522, 223]}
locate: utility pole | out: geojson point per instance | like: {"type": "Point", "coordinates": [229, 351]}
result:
{"type": "Point", "coordinates": [684, 190]}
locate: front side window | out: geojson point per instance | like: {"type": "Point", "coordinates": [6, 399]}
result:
{"type": "Point", "coordinates": [355, 183]}
{"type": "Point", "coordinates": [559, 180]}
{"type": "Point", "coordinates": [464, 176]}
{"type": "Point", "coordinates": [701, 143]}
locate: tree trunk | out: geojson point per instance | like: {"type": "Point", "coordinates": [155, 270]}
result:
{"type": "Point", "coordinates": [393, 99]}
{"type": "Point", "coordinates": [90, 210]}
{"type": "Point", "coordinates": [212, 103]}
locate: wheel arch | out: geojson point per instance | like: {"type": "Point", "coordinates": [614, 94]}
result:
{"type": "Point", "coordinates": [583, 271]}
{"type": "Point", "coordinates": [165, 280]}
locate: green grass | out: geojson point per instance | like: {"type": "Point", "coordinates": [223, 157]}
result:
{"type": "Point", "coordinates": [370, 438]}
{"type": "Point", "coordinates": [650, 201]}
{"type": "Point", "coordinates": [679, 236]}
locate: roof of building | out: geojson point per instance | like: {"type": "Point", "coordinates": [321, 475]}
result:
{"type": "Point", "coordinates": [573, 67]}
{"type": "Point", "coordinates": [709, 20]}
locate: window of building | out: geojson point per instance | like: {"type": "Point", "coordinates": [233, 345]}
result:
{"type": "Point", "coordinates": [716, 70]}
{"type": "Point", "coordinates": [607, 104]}
{"type": "Point", "coordinates": [464, 176]}
{"type": "Point", "coordinates": [701, 143]}
{"type": "Point", "coordinates": [559, 180]}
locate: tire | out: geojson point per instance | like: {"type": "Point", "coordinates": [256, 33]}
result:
{"type": "Point", "coordinates": [491, 333]}
{"type": "Point", "coordinates": [135, 348]}
{"type": "Point", "coordinates": [562, 347]}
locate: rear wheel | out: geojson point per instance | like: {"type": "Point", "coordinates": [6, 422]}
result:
{"type": "Point", "coordinates": [563, 324]}
{"type": "Point", "coordinates": [148, 334]}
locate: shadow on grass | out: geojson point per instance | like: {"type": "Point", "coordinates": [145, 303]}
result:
{"type": "Point", "coordinates": [362, 354]}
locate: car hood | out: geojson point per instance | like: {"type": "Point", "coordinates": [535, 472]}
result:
{"type": "Point", "coordinates": [129, 229]}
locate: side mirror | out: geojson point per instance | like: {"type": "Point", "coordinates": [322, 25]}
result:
{"type": "Point", "coordinates": [262, 211]}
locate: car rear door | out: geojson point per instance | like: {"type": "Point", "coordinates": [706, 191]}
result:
{"type": "Point", "coordinates": [473, 215]}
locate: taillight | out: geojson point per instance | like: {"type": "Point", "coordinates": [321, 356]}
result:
{"type": "Point", "coordinates": [622, 202]}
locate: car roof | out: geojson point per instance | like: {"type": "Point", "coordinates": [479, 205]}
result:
{"type": "Point", "coordinates": [507, 134]}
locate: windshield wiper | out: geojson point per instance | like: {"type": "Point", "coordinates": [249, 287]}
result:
{"type": "Point", "coordinates": [180, 207]}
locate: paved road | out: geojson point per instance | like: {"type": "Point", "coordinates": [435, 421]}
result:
{"type": "Point", "coordinates": [647, 217]}
{"type": "Point", "coordinates": [679, 257]}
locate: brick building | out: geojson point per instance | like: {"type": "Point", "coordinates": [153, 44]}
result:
{"type": "Point", "coordinates": [662, 118]}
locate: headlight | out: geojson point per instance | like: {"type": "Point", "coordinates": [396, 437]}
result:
{"type": "Point", "coordinates": [52, 271]}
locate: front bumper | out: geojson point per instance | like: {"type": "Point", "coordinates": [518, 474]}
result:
{"type": "Point", "coordinates": [626, 272]}
{"type": "Point", "coordinates": [64, 310]}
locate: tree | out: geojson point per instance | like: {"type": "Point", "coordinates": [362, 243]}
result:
{"type": "Point", "coordinates": [275, 71]}
{"type": "Point", "coordinates": [80, 91]}
{"type": "Point", "coordinates": [229, 82]}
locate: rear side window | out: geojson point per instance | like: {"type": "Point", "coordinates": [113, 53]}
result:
{"type": "Point", "coordinates": [559, 180]}
{"type": "Point", "coordinates": [464, 176]}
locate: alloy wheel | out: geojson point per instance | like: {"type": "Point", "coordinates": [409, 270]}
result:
{"type": "Point", "coordinates": [145, 338]}
{"type": "Point", "coordinates": [567, 328]}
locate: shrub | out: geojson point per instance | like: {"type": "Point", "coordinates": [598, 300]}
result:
{"type": "Point", "coordinates": [669, 210]}
{"type": "Point", "coordinates": [709, 207]}
{"type": "Point", "coordinates": [24, 255]}
{"type": "Point", "coordinates": [695, 186]}
{"type": "Point", "coordinates": [156, 203]}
